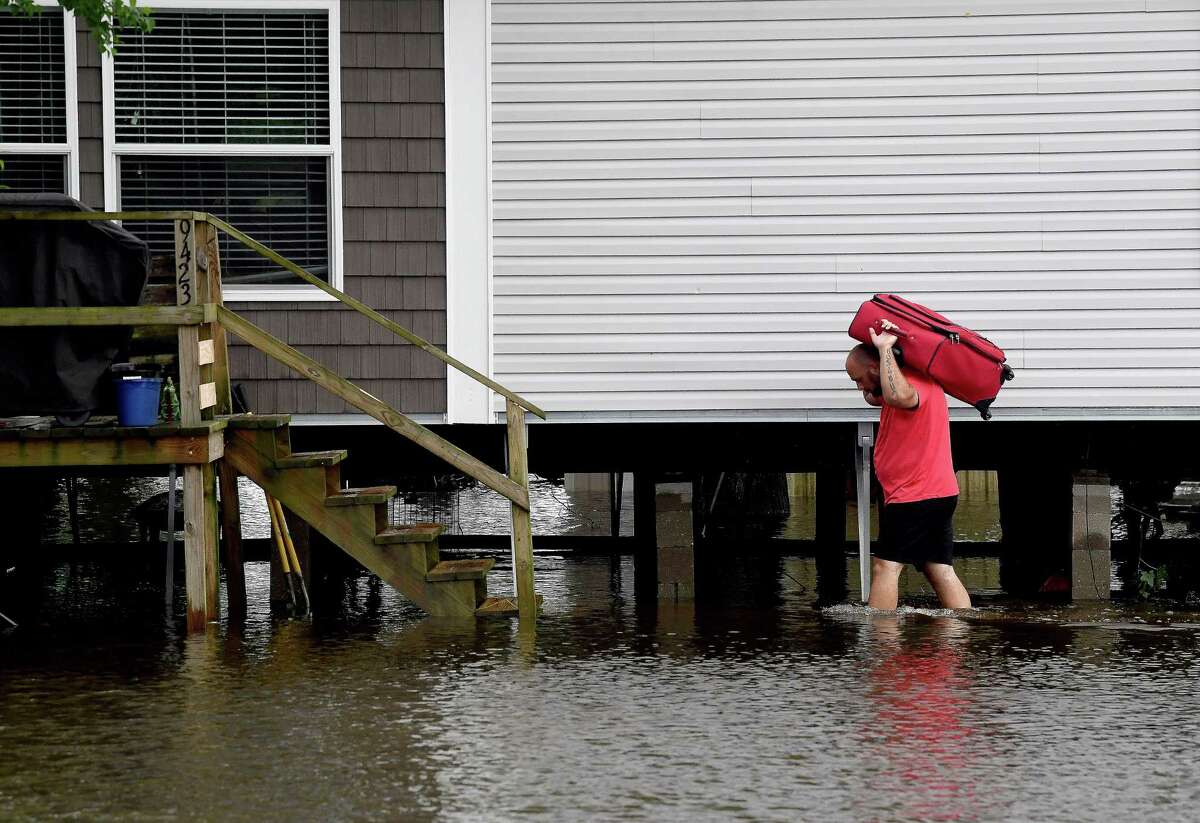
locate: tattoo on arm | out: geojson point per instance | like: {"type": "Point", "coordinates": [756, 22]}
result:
{"type": "Point", "coordinates": [889, 361]}
{"type": "Point", "coordinates": [896, 389]}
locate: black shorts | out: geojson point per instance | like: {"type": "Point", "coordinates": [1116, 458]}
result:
{"type": "Point", "coordinates": [920, 532]}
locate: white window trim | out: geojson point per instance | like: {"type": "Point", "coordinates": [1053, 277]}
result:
{"type": "Point", "coordinates": [69, 149]}
{"type": "Point", "coordinates": [332, 150]}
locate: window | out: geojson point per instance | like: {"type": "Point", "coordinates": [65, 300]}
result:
{"type": "Point", "coordinates": [233, 110]}
{"type": "Point", "coordinates": [38, 140]}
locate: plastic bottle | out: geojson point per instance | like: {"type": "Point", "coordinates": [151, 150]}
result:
{"type": "Point", "coordinates": [170, 402]}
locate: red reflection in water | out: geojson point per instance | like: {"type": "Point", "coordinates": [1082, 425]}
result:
{"type": "Point", "coordinates": [920, 731]}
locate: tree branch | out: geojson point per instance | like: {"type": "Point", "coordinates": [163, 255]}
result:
{"type": "Point", "coordinates": [105, 18]}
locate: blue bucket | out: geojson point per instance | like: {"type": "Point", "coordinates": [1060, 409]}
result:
{"type": "Point", "coordinates": [137, 401]}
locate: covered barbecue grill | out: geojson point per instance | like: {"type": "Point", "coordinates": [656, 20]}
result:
{"type": "Point", "coordinates": [58, 371]}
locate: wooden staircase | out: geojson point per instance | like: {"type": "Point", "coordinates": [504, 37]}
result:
{"type": "Point", "coordinates": [356, 520]}
{"type": "Point", "coordinates": [259, 446]}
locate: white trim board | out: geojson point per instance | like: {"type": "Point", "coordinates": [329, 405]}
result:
{"type": "Point", "coordinates": [999, 415]}
{"type": "Point", "coordinates": [1190, 415]}
{"type": "Point", "coordinates": [467, 61]}
{"type": "Point", "coordinates": [71, 89]}
{"type": "Point", "coordinates": [332, 150]}
{"type": "Point", "coordinates": [425, 419]}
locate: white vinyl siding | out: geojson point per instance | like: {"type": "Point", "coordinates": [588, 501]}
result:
{"type": "Point", "coordinates": [692, 197]}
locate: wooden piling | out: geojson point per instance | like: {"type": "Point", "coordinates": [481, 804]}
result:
{"type": "Point", "coordinates": [831, 533]}
{"type": "Point", "coordinates": [615, 491]}
{"type": "Point", "coordinates": [231, 530]}
{"type": "Point", "coordinates": [199, 482]}
{"type": "Point", "coordinates": [1035, 521]}
{"type": "Point", "coordinates": [645, 558]}
{"type": "Point", "coordinates": [522, 531]}
{"type": "Point", "coordinates": [200, 544]}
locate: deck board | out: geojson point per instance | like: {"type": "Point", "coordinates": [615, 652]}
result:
{"type": "Point", "coordinates": [37, 442]}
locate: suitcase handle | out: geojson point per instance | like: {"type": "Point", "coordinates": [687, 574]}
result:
{"type": "Point", "coordinates": [898, 331]}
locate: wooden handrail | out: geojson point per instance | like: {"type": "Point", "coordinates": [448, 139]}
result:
{"type": "Point", "coordinates": [91, 216]}
{"type": "Point", "coordinates": [103, 316]}
{"type": "Point", "coordinates": [265, 251]}
{"type": "Point", "coordinates": [339, 386]}
{"type": "Point", "coordinates": [189, 318]}
{"type": "Point", "coordinates": [364, 309]}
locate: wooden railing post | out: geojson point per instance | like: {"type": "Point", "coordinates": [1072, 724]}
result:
{"type": "Point", "coordinates": [189, 336]}
{"type": "Point", "coordinates": [522, 532]}
{"type": "Point", "coordinates": [199, 482]}
{"type": "Point", "coordinates": [208, 238]}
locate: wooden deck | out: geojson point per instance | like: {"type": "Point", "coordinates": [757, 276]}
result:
{"type": "Point", "coordinates": [210, 443]}
{"type": "Point", "coordinates": [39, 443]}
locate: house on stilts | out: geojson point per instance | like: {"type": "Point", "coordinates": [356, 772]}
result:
{"type": "Point", "coordinates": [654, 220]}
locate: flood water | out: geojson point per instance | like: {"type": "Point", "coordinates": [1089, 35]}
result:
{"type": "Point", "coordinates": [755, 704]}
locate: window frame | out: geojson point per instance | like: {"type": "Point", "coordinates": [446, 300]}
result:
{"type": "Point", "coordinates": [332, 150]}
{"type": "Point", "coordinates": [70, 148]}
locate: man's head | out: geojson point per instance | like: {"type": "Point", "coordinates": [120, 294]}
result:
{"type": "Point", "coordinates": [862, 364]}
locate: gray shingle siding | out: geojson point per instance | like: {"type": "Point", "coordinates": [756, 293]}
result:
{"type": "Point", "coordinates": [394, 222]}
{"type": "Point", "coordinates": [91, 122]}
{"type": "Point", "coordinates": [393, 210]}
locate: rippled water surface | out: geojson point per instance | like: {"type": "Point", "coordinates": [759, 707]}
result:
{"type": "Point", "coordinates": [756, 704]}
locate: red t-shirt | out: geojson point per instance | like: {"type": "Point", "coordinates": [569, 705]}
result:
{"type": "Point", "coordinates": [912, 452]}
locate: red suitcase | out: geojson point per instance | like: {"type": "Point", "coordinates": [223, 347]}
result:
{"type": "Point", "coordinates": [967, 365]}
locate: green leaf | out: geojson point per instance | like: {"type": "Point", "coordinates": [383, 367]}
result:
{"type": "Point", "coordinates": [106, 18]}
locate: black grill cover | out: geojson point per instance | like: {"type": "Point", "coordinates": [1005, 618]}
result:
{"type": "Point", "coordinates": [57, 371]}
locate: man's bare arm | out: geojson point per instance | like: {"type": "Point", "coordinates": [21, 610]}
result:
{"type": "Point", "coordinates": [897, 391]}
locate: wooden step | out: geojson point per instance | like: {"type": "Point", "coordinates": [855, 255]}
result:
{"type": "Point", "coordinates": [502, 606]}
{"type": "Point", "coordinates": [412, 533]}
{"type": "Point", "coordinates": [460, 570]}
{"type": "Point", "coordinates": [355, 529]}
{"type": "Point", "coordinates": [257, 421]}
{"type": "Point", "coordinates": [308, 460]}
{"type": "Point", "coordinates": [365, 496]}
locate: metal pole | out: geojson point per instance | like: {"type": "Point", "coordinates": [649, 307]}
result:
{"type": "Point", "coordinates": [170, 589]}
{"type": "Point", "coordinates": [712, 505]}
{"type": "Point", "coordinates": [862, 469]}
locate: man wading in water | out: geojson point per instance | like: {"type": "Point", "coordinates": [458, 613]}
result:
{"type": "Point", "coordinates": [916, 471]}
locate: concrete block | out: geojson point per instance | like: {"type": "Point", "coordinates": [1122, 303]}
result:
{"type": "Point", "coordinates": [1090, 574]}
{"type": "Point", "coordinates": [585, 482]}
{"type": "Point", "coordinates": [1091, 537]}
{"type": "Point", "coordinates": [675, 542]}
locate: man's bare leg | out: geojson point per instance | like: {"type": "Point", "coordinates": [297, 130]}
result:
{"type": "Point", "coordinates": [885, 576]}
{"type": "Point", "coordinates": [949, 588]}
